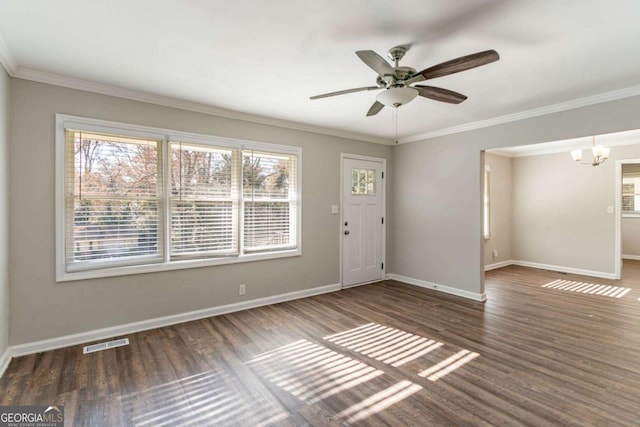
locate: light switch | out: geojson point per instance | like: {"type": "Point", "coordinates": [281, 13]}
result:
{"type": "Point", "coordinates": [334, 209]}
{"type": "Point", "coordinates": [610, 209]}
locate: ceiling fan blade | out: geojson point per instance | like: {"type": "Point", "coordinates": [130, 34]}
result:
{"type": "Point", "coordinates": [456, 65]}
{"type": "Point", "coordinates": [342, 92]}
{"type": "Point", "coordinates": [375, 109]}
{"type": "Point", "coordinates": [439, 94]}
{"type": "Point", "coordinates": [376, 62]}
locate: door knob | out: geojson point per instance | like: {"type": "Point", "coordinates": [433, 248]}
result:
{"type": "Point", "coordinates": [346, 232]}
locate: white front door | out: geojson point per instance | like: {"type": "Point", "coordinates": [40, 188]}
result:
{"type": "Point", "coordinates": [362, 221]}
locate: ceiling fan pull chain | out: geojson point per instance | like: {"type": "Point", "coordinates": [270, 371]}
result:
{"type": "Point", "coordinates": [395, 120]}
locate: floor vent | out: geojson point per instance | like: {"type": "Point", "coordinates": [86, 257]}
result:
{"type": "Point", "coordinates": [105, 345]}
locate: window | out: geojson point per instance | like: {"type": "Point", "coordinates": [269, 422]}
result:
{"type": "Point", "coordinates": [113, 189]}
{"type": "Point", "coordinates": [203, 201]}
{"type": "Point", "coordinates": [486, 204]}
{"type": "Point", "coordinates": [363, 182]}
{"type": "Point", "coordinates": [133, 199]}
{"type": "Point", "coordinates": [631, 193]}
{"type": "Point", "coordinates": [269, 200]}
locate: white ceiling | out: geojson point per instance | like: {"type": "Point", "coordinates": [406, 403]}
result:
{"type": "Point", "coordinates": [266, 58]}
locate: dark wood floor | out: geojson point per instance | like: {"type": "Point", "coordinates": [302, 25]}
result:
{"type": "Point", "coordinates": [382, 354]}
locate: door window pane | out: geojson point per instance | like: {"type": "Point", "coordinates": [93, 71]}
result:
{"type": "Point", "coordinates": [363, 182]}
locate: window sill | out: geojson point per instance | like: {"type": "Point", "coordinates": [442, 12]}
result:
{"type": "Point", "coordinates": [631, 215]}
{"type": "Point", "coordinates": [64, 276]}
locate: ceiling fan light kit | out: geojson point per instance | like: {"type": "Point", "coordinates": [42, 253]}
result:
{"type": "Point", "coordinates": [397, 96]}
{"type": "Point", "coordinates": [395, 81]}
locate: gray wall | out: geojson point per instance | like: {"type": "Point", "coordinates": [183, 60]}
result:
{"type": "Point", "coordinates": [436, 228]}
{"type": "Point", "coordinates": [500, 209]}
{"type": "Point", "coordinates": [436, 225]}
{"type": "Point", "coordinates": [42, 308]}
{"type": "Point", "coordinates": [560, 212]}
{"type": "Point", "coordinates": [4, 211]}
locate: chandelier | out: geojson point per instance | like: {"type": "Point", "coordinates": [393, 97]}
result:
{"type": "Point", "coordinates": [599, 153]}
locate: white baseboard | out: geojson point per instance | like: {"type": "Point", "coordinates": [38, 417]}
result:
{"type": "Point", "coordinates": [5, 358]}
{"type": "Point", "coordinates": [636, 257]}
{"type": "Point", "coordinates": [495, 265]}
{"type": "Point", "coordinates": [441, 288]}
{"type": "Point", "coordinates": [129, 328]}
{"type": "Point", "coordinates": [562, 269]}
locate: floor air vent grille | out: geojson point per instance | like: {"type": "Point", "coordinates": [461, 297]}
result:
{"type": "Point", "coordinates": [105, 345]}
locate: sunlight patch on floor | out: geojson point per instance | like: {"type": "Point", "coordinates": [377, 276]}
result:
{"type": "Point", "coordinates": [310, 371]}
{"type": "Point", "coordinates": [387, 345]}
{"type": "Point", "coordinates": [206, 398]}
{"type": "Point", "coordinates": [313, 372]}
{"type": "Point", "coordinates": [380, 401]}
{"type": "Point", "coordinates": [448, 365]}
{"type": "Point", "coordinates": [588, 288]}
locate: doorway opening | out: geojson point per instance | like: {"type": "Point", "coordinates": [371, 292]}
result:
{"type": "Point", "coordinates": [548, 211]}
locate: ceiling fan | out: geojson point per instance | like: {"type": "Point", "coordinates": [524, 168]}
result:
{"type": "Point", "coordinates": [396, 81]}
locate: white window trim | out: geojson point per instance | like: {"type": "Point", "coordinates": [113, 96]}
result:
{"type": "Point", "coordinates": [486, 204]}
{"type": "Point", "coordinates": [65, 121]}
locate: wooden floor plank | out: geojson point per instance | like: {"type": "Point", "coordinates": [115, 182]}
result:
{"type": "Point", "coordinates": [381, 354]}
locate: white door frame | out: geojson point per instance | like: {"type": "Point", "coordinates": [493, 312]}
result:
{"type": "Point", "coordinates": [618, 232]}
{"type": "Point", "coordinates": [344, 156]}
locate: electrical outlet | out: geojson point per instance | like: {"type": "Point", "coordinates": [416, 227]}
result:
{"type": "Point", "coordinates": [242, 290]}
{"type": "Point", "coordinates": [494, 253]}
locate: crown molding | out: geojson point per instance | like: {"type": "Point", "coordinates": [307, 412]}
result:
{"type": "Point", "coordinates": [105, 89]}
{"type": "Point", "coordinates": [536, 112]}
{"type": "Point", "coordinates": [6, 58]}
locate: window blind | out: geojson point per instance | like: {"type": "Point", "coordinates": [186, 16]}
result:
{"type": "Point", "coordinates": [269, 200]}
{"type": "Point", "coordinates": [113, 197]}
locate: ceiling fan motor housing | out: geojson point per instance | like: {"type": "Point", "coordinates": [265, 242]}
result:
{"type": "Point", "coordinates": [404, 73]}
